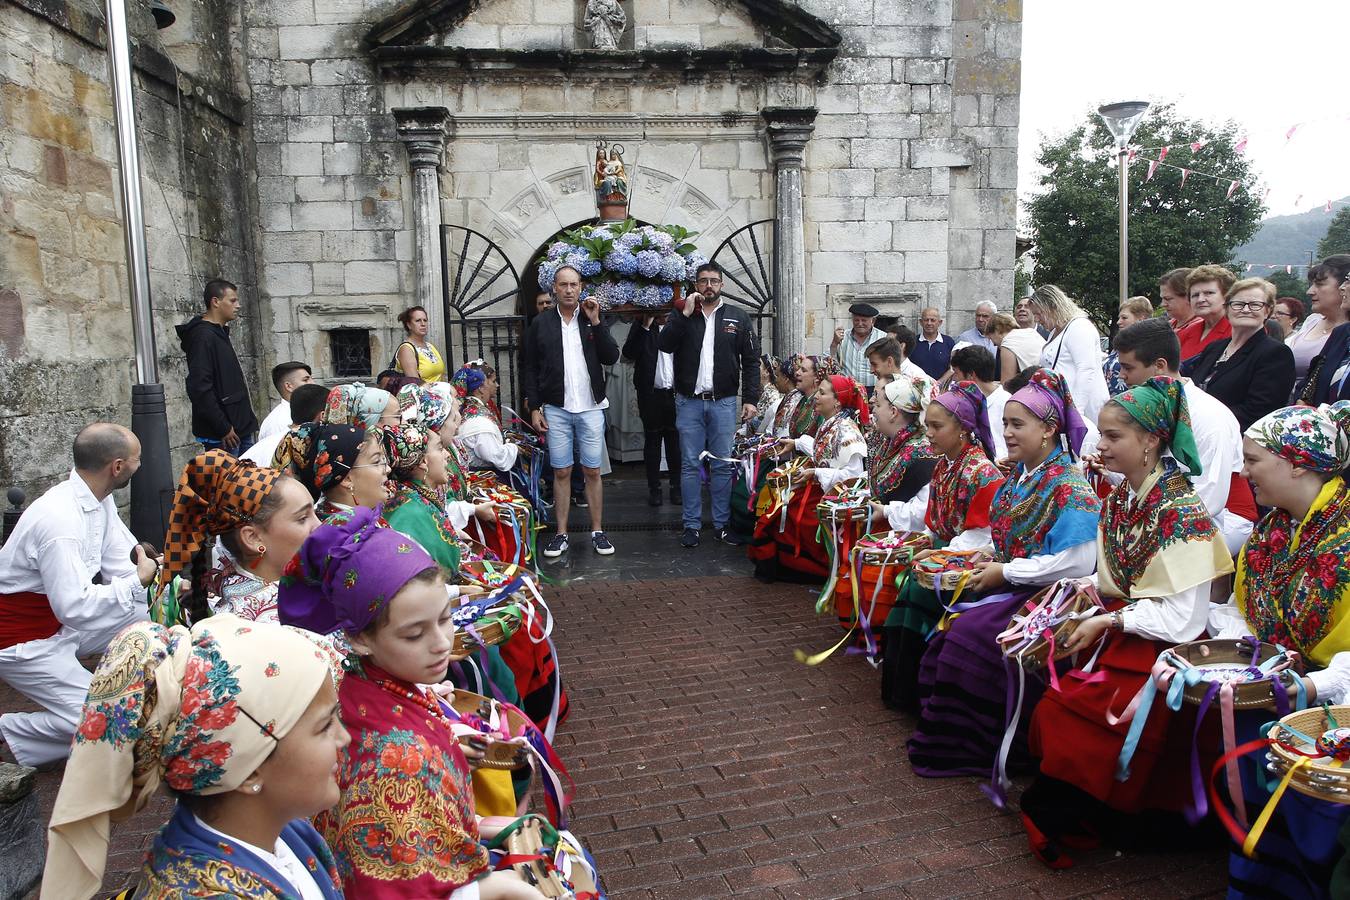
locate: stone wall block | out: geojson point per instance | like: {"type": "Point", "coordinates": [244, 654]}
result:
{"type": "Point", "coordinates": [371, 277]}
{"type": "Point", "coordinates": [319, 187]}
{"type": "Point", "coordinates": [895, 126]}
{"type": "Point", "coordinates": [321, 216]}
{"type": "Point", "coordinates": [841, 209]}
{"type": "Point", "coordinates": [966, 248]}
{"type": "Point", "coordinates": [877, 153]}
{"type": "Point", "coordinates": [883, 98]}
{"type": "Point", "coordinates": [843, 182]}
{"type": "Point", "coordinates": [884, 268]}
{"type": "Point", "coordinates": [940, 152]}
{"type": "Point", "coordinates": [886, 209]}
{"type": "Point", "coordinates": [1000, 248]}
{"type": "Point", "coordinates": [337, 12]}
{"type": "Point", "coordinates": [299, 246]}
{"type": "Point", "coordinates": [288, 279]}
{"type": "Point", "coordinates": [926, 265]}
{"type": "Point", "coordinates": [301, 159]}
{"type": "Point", "coordinates": [835, 267]}
{"type": "Point", "coordinates": [314, 41]}
{"type": "Point", "coordinates": [342, 159]}
{"type": "Point", "coordinates": [330, 278]}
{"type": "Point", "coordinates": [855, 236]}
{"type": "Point", "coordinates": [924, 71]}
{"type": "Point", "coordinates": [304, 129]}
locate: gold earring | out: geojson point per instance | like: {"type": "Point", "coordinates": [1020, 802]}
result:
{"type": "Point", "coordinates": [1045, 441]}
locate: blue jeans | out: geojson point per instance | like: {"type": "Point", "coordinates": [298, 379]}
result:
{"type": "Point", "coordinates": [585, 431]}
{"type": "Point", "coordinates": [705, 425]}
{"type": "Point", "coordinates": [215, 444]}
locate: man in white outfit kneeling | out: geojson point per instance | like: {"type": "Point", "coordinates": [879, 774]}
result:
{"type": "Point", "coordinates": [68, 585]}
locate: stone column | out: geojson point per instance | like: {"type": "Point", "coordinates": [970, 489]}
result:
{"type": "Point", "coordinates": [789, 129]}
{"type": "Point", "coordinates": [423, 131]}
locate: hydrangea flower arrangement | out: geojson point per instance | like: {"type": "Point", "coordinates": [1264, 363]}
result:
{"type": "Point", "coordinates": [624, 263]}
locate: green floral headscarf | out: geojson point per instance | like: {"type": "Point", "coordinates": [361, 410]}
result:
{"type": "Point", "coordinates": [1159, 406]}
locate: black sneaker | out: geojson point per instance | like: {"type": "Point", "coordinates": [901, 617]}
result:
{"type": "Point", "coordinates": [556, 547]}
{"type": "Point", "coordinates": [601, 543]}
{"type": "Point", "coordinates": [654, 497]}
{"type": "Point", "coordinates": [675, 496]}
{"type": "Point", "coordinates": [579, 501]}
{"type": "Point", "coordinates": [727, 536]}
{"type": "Point", "coordinates": [689, 538]}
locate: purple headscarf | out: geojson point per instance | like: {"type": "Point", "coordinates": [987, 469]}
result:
{"type": "Point", "coordinates": [349, 570]}
{"type": "Point", "coordinates": [966, 401]}
{"type": "Point", "coordinates": [1047, 396]}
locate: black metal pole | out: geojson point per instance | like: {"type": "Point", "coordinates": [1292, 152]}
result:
{"type": "Point", "coordinates": [152, 486]}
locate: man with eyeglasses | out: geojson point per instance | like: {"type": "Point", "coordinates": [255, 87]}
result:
{"type": "Point", "coordinates": [716, 354]}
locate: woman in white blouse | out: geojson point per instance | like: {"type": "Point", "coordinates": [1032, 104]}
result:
{"type": "Point", "coordinates": [1074, 348]}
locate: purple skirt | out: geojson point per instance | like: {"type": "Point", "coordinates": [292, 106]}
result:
{"type": "Point", "coordinates": [965, 698]}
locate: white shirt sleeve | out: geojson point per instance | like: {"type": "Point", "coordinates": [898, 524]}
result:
{"type": "Point", "coordinates": [459, 512]}
{"type": "Point", "coordinates": [907, 515]}
{"type": "Point", "coordinates": [278, 421]}
{"type": "Point", "coordinates": [491, 449]}
{"type": "Point", "coordinates": [972, 539]}
{"type": "Point", "coordinates": [1178, 618]}
{"type": "Point", "coordinates": [1333, 682]}
{"type": "Point", "coordinates": [806, 445]}
{"type": "Point", "coordinates": [853, 467]}
{"type": "Point", "coordinates": [1078, 561]}
{"type": "Point", "coordinates": [1224, 620]}
{"type": "Point", "coordinates": [75, 601]}
{"type": "Point", "coordinates": [770, 411]}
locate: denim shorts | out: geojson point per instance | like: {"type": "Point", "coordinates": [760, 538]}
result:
{"type": "Point", "coordinates": [584, 430]}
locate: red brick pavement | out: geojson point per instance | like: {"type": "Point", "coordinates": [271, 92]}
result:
{"type": "Point", "coordinates": [709, 763]}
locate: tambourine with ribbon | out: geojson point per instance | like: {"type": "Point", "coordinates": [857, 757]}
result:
{"type": "Point", "coordinates": [1039, 630]}
{"type": "Point", "coordinates": [1240, 674]}
{"type": "Point", "coordinates": [947, 570]}
{"type": "Point", "coordinates": [841, 514]}
{"type": "Point", "coordinates": [552, 861]}
{"type": "Point", "coordinates": [1308, 750]}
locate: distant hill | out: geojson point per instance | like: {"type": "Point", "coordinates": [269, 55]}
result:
{"type": "Point", "coordinates": [1287, 239]}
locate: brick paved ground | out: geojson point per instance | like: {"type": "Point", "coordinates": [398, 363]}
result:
{"type": "Point", "coordinates": [709, 763]}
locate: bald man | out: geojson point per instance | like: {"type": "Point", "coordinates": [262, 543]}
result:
{"type": "Point", "coordinates": [932, 351]}
{"type": "Point", "coordinates": [68, 585]}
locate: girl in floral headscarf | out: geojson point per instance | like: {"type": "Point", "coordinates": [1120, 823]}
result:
{"type": "Point", "coordinates": [480, 434]}
{"type": "Point", "coordinates": [357, 404]}
{"type": "Point", "coordinates": [837, 453]}
{"type": "Point", "coordinates": [238, 720]}
{"type": "Point", "coordinates": [261, 518]}
{"type": "Point", "coordinates": [963, 486]}
{"type": "Point", "coordinates": [1293, 589]}
{"type": "Point", "coordinates": [1157, 552]}
{"type": "Point", "coordinates": [1042, 527]}
{"type": "Point", "coordinates": [811, 371]}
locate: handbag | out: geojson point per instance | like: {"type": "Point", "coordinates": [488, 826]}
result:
{"type": "Point", "coordinates": [1310, 381]}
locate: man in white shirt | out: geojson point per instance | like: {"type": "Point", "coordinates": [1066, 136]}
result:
{"type": "Point", "coordinates": [70, 580]}
{"type": "Point", "coordinates": [286, 377]}
{"type": "Point", "coordinates": [565, 349]}
{"type": "Point", "coordinates": [890, 355]}
{"type": "Point", "coordinates": [1150, 348]}
{"type": "Point", "coordinates": [978, 334]}
{"type": "Point", "coordinates": [851, 348]}
{"type": "Point", "coordinates": [971, 363]}
{"type": "Point", "coordinates": [307, 401]}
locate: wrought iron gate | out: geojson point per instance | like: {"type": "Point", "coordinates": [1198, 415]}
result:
{"type": "Point", "coordinates": [746, 258]}
{"type": "Point", "coordinates": [482, 317]}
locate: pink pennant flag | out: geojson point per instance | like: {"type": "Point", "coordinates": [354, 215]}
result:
{"type": "Point", "coordinates": [1185, 173]}
{"type": "Point", "coordinates": [1298, 201]}
{"type": "Point", "coordinates": [1232, 189]}
{"type": "Point", "coordinates": [1152, 167]}
{"type": "Point", "coordinates": [1289, 135]}
{"type": "Point", "coordinates": [1163, 155]}
{"type": "Point", "coordinates": [1328, 206]}
{"type": "Point", "coordinates": [1289, 270]}
{"type": "Point", "coordinates": [1241, 146]}
{"type": "Point", "coordinates": [1195, 147]}
{"type": "Point", "coordinates": [1249, 267]}
{"type": "Point", "coordinates": [1130, 158]}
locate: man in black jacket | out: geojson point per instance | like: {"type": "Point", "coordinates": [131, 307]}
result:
{"type": "Point", "coordinates": [565, 348]}
{"type": "Point", "coordinates": [654, 381]}
{"type": "Point", "coordinates": [222, 413]}
{"type": "Point", "coordinates": [716, 357]}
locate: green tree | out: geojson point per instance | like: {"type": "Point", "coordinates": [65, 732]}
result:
{"type": "Point", "coordinates": [1074, 217]}
{"type": "Point", "coordinates": [1337, 239]}
{"type": "Point", "coordinates": [1286, 284]}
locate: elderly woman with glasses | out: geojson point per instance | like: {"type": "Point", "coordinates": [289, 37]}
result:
{"type": "Point", "coordinates": [1251, 373]}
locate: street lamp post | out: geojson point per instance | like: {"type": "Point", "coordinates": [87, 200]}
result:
{"type": "Point", "coordinates": [152, 485]}
{"type": "Point", "coordinates": [1121, 119]}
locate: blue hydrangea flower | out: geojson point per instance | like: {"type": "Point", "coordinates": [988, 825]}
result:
{"type": "Point", "coordinates": [546, 272]}
{"type": "Point", "coordinates": [590, 268]}
{"type": "Point", "coordinates": [648, 263]}
{"type": "Point", "coordinates": [629, 242]}
{"type": "Point", "coordinates": [672, 268]}
{"type": "Point", "coordinates": [662, 241]}
{"type": "Point", "coordinates": [650, 295]}
{"type": "Point", "coordinates": [558, 249]}
{"type": "Point", "coordinates": [625, 292]}
{"type": "Point", "coordinates": [695, 260]}
{"type": "Point", "coordinates": [667, 293]}
{"type": "Point", "coordinates": [621, 262]}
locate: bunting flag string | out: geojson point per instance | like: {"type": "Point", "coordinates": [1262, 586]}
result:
{"type": "Point", "coordinates": [1289, 132]}
{"type": "Point", "coordinates": [1187, 172]}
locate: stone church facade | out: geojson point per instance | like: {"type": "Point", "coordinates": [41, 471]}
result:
{"type": "Point", "coordinates": [369, 153]}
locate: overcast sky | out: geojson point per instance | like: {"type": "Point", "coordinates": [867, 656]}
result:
{"type": "Point", "coordinates": [1264, 65]}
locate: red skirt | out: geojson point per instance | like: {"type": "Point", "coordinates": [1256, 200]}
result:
{"type": "Point", "coordinates": [1076, 743]}
{"type": "Point", "coordinates": [536, 673]}
{"type": "Point", "coordinates": [875, 602]}
{"type": "Point", "coordinates": [796, 548]}
{"type": "Point", "coordinates": [500, 538]}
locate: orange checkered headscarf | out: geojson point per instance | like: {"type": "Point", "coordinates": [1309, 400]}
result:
{"type": "Point", "coordinates": [216, 494]}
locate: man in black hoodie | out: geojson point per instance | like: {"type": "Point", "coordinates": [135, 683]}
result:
{"type": "Point", "coordinates": [222, 414]}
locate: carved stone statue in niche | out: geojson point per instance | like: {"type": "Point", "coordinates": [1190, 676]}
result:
{"type": "Point", "coordinates": [605, 21]}
{"type": "Point", "coordinates": [611, 181]}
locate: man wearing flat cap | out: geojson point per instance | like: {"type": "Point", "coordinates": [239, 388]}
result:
{"type": "Point", "coordinates": [850, 348]}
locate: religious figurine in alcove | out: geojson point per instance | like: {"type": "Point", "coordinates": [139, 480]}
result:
{"type": "Point", "coordinates": [605, 21]}
{"type": "Point", "coordinates": [611, 181]}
